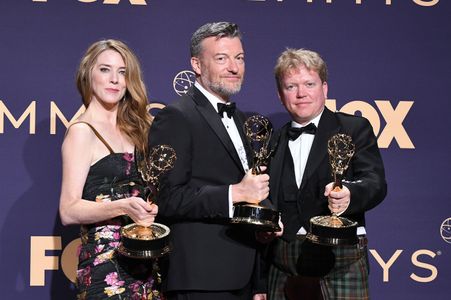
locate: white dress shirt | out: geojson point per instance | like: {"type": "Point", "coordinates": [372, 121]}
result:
{"type": "Point", "coordinates": [300, 150]}
{"type": "Point", "coordinates": [232, 130]}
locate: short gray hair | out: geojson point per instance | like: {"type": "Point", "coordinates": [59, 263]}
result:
{"type": "Point", "coordinates": [218, 29]}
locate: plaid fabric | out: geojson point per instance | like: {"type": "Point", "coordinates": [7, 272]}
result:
{"type": "Point", "coordinates": [343, 270]}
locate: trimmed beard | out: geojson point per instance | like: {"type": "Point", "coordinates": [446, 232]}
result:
{"type": "Point", "coordinates": [224, 91]}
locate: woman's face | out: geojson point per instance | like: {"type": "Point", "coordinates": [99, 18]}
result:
{"type": "Point", "coordinates": [108, 78]}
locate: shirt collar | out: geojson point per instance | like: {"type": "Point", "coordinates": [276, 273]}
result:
{"type": "Point", "coordinates": [315, 121]}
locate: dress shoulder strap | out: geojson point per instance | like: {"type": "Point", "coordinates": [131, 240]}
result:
{"type": "Point", "coordinates": [96, 133]}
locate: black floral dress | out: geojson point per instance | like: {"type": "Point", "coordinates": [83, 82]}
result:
{"type": "Point", "coordinates": [102, 272]}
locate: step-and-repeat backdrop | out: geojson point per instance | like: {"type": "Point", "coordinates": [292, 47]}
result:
{"type": "Point", "coordinates": [389, 61]}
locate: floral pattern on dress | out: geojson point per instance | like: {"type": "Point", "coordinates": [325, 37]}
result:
{"type": "Point", "coordinates": [143, 290]}
{"type": "Point", "coordinates": [101, 273]}
{"type": "Point", "coordinates": [129, 157]}
{"type": "Point", "coordinates": [84, 276]}
{"type": "Point", "coordinates": [116, 286]}
{"type": "Point", "coordinates": [103, 198]}
{"type": "Point", "coordinates": [101, 258]}
{"type": "Point", "coordinates": [108, 232]}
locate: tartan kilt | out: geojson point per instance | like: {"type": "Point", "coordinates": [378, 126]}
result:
{"type": "Point", "coordinates": [342, 270]}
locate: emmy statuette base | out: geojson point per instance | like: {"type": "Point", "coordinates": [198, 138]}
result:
{"type": "Point", "coordinates": [144, 242]}
{"type": "Point", "coordinates": [332, 231]}
{"type": "Point", "coordinates": [259, 217]}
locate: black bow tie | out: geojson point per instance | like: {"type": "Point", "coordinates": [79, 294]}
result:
{"type": "Point", "coordinates": [295, 132]}
{"type": "Point", "coordinates": [228, 108]}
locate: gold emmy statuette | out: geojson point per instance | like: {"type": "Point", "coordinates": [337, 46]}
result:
{"type": "Point", "coordinates": [258, 130]}
{"type": "Point", "coordinates": [334, 230]}
{"type": "Point", "coordinates": [152, 241]}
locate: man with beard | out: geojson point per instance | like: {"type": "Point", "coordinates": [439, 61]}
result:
{"type": "Point", "coordinates": [210, 259]}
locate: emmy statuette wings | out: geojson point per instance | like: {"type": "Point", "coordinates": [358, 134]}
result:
{"type": "Point", "coordinates": [152, 241]}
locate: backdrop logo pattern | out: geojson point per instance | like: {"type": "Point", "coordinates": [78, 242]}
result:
{"type": "Point", "coordinates": [445, 230]}
{"type": "Point", "coordinates": [359, 2]}
{"type": "Point", "coordinates": [183, 81]}
{"type": "Point", "coordinates": [65, 260]}
{"type": "Point", "coordinates": [132, 2]}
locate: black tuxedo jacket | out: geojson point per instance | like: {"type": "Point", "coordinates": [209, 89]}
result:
{"type": "Point", "coordinates": [365, 176]}
{"type": "Point", "coordinates": [208, 253]}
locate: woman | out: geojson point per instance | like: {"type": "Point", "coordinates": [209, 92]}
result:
{"type": "Point", "coordinates": [101, 187]}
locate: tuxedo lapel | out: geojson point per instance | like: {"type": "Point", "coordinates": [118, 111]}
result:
{"type": "Point", "coordinates": [327, 127]}
{"type": "Point", "coordinates": [214, 121]}
{"type": "Point", "coordinates": [277, 163]}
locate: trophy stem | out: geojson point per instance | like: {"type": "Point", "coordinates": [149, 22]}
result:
{"type": "Point", "coordinates": [334, 220]}
{"type": "Point", "coordinates": [337, 182]}
{"type": "Point", "coordinates": [256, 170]}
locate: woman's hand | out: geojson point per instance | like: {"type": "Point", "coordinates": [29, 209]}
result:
{"type": "Point", "coordinates": [141, 212]}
